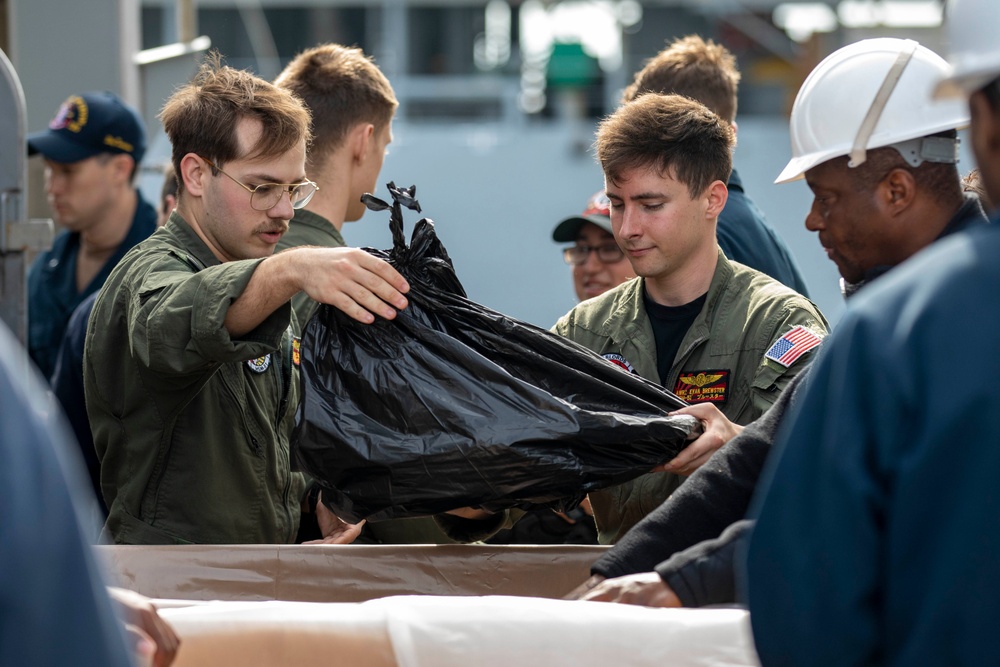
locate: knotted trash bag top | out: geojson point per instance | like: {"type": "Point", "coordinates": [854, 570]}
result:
{"type": "Point", "coordinates": [452, 404]}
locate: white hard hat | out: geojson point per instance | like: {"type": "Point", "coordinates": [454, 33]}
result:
{"type": "Point", "coordinates": [972, 28]}
{"type": "Point", "coordinates": [871, 94]}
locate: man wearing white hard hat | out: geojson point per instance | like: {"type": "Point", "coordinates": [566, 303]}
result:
{"type": "Point", "coordinates": [878, 536]}
{"type": "Point", "coordinates": [871, 216]}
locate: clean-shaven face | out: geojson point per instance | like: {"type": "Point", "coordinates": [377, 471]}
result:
{"type": "Point", "coordinates": [657, 223]}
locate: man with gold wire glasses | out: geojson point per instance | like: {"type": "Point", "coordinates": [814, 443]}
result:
{"type": "Point", "coordinates": [266, 196]}
{"type": "Point", "coordinates": [190, 366]}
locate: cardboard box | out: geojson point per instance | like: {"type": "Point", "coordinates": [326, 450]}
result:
{"type": "Point", "coordinates": [350, 573]}
{"type": "Point", "coordinates": [411, 606]}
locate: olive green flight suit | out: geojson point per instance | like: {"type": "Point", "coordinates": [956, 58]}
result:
{"type": "Point", "coordinates": [190, 424]}
{"type": "Point", "coordinates": [745, 313]}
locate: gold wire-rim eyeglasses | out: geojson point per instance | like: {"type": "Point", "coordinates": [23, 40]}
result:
{"type": "Point", "coordinates": [266, 196]}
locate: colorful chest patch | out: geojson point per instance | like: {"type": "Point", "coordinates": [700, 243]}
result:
{"type": "Point", "coordinates": [620, 361]}
{"type": "Point", "coordinates": [260, 364]}
{"type": "Point", "coordinates": [296, 351]}
{"type": "Point", "coordinates": [703, 386]}
{"type": "Point", "coordinates": [787, 349]}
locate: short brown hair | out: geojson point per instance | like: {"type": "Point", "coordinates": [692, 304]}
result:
{"type": "Point", "coordinates": [202, 116]}
{"type": "Point", "coordinates": [667, 132]}
{"type": "Point", "coordinates": [692, 67]}
{"type": "Point", "coordinates": [342, 87]}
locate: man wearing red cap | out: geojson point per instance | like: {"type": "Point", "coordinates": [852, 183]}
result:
{"type": "Point", "coordinates": [598, 263]}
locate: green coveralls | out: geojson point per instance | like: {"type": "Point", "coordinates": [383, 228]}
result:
{"type": "Point", "coordinates": [745, 312]}
{"type": "Point", "coordinates": [191, 425]}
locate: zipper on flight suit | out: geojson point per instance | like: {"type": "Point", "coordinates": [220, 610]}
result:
{"type": "Point", "coordinates": [286, 379]}
{"type": "Point", "coordinates": [286, 383]}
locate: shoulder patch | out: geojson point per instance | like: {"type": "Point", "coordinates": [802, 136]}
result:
{"type": "Point", "coordinates": [620, 361]}
{"type": "Point", "coordinates": [703, 386]}
{"type": "Point", "coordinates": [796, 342]}
{"type": "Point", "coordinates": [260, 364]}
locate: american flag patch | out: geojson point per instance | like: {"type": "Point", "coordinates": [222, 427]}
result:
{"type": "Point", "coordinates": [793, 345]}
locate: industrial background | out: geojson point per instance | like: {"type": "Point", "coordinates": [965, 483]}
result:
{"type": "Point", "coordinates": [498, 105]}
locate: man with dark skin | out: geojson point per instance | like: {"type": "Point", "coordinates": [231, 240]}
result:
{"type": "Point", "coordinates": [863, 552]}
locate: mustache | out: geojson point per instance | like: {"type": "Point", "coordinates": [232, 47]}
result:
{"type": "Point", "coordinates": [271, 228]}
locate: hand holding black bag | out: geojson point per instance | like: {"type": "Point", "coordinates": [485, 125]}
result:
{"type": "Point", "coordinates": [452, 404]}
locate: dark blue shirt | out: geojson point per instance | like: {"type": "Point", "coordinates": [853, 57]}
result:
{"type": "Point", "coordinates": [67, 385]}
{"type": "Point", "coordinates": [878, 535]}
{"type": "Point", "coordinates": [717, 495]}
{"type": "Point", "coordinates": [54, 609]}
{"type": "Point", "coordinates": [52, 293]}
{"type": "Point", "coordinates": [746, 237]}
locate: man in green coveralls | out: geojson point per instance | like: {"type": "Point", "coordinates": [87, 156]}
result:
{"type": "Point", "coordinates": [189, 368]}
{"type": "Point", "coordinates": [352, 106]}
{"type": "Point", "coordinates": [708, 329]}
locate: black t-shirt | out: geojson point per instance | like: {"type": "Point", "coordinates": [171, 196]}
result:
{"type": "Point", "coordinates": [670, 324]}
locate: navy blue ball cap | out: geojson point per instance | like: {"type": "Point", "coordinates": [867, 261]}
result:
{"type": "Point", "coordinates": [89, 124]}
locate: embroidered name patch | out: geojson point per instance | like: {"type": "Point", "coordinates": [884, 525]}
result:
{"type": "Point", "coordinates": [260, 364]}
{"type": "Point", "coordinates": [118, 142]}
{"type": "Point", "coordinates": [703, 386]}
{"type": "Point", "coordinates": [787, 349]}
{"type": "Point", "coordinates": [620, 361]}
{"type": "Point", "coordinates": [296, 351]}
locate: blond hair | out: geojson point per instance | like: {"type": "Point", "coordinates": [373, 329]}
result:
{"type": "Point", "coordinates": [342, 87]}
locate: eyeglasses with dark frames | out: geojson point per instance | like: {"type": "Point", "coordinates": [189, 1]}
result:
{"type": "Point", "coordinates": [608, 253]}
{"type": "Point", "coordinates": [266, 196]}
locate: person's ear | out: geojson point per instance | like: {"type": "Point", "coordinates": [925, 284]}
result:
{"type": "Point", "coordinates": [121, 167]}
{"type": "Point", "coordinates": [168, 204]}
{"type": "Point", "coordinates": [897, 190]}
{"type": "Point", "coordinates": [716, 196]}
{"type": "Point", "coordinates": [194, 171]}
{"type": "Point", "coordinates": [361, 135]}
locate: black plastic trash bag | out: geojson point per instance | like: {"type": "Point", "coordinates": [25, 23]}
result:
{"type": "Point", "coordinates": [452, 404]}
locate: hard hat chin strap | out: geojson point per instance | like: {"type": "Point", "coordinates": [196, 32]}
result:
{"type": "Point", "coordinates": [859, 149]}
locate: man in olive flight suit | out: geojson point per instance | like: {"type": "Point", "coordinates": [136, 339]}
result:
{"type": "Point", "coordinates": [708, 329]}
{"type": "Point", "coordinates": [352, 106]}
{"type": "Point", "coordinates": [190, 368]}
